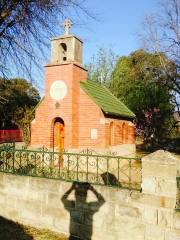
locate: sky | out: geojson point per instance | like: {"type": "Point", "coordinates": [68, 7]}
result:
{"type": "Point", "coordinates": [116, 26]}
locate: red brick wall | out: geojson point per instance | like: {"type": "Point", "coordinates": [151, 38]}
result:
{"type": "Point", "coordinates": [89, 118]}
{"type": "Point", "coordinates": [42, 127]}
{"type": "Point", "coordinates": [79, 113]}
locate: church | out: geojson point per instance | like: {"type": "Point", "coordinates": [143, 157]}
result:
{"type": "Point", "coordinates": [76, 113]}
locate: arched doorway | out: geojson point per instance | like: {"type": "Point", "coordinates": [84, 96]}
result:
{"type": "Point", "coordinates": [58, 134]}
{"type": "Point", "coordinates": [58, 140]}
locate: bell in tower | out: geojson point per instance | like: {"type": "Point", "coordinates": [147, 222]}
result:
{"type": "Point", "coordinates": [66, 48]}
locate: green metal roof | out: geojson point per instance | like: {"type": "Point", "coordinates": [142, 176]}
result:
{"type": "Point", "coordinates": [106, 100]}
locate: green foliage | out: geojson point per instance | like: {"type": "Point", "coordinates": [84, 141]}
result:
{"type": "Point", "coordinates": [23, 118]}
{"type": "Point", "coordinates": [101, 66]}
{"type": "Point", "coordinates": [138, 81]}
{"type": "Point", "coordinates": [21, 97]}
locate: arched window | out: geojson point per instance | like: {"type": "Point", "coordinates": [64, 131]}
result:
{"type": "Point", "coordinates": [63, 52]}
{"type": "Point", "coordinates": [131, 133]}
{"type": "Point", "coordinates": [124, 132]}
{"type": "Point", "coordinates": [118, 135]}
{"type": "Point", "coordinates": [111, 134]}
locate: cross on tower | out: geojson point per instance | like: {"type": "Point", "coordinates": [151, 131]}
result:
{"type": "Point", "coordinates": [67, 25]}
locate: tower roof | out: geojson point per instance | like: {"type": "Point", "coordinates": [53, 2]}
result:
{"type": "Point", "coordinates": [109, 104]}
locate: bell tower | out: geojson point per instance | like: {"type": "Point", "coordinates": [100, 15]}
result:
{"type": "Point", "coordinates": [59, 109]}
{"type": "Point", "coordinates": [66, 48]}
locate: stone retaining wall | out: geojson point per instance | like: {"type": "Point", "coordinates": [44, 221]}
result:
{"type": "Point", "coordinates": [107, 213]}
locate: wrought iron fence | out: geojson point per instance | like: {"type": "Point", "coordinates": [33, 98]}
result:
{"type": "Point", "coordinates": [84, 166]}
{"type": "Point", "coordinates": [178, 194]}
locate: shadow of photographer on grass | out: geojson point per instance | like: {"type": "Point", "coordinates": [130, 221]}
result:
{"type": "Point", "coordinates": [81, 212]}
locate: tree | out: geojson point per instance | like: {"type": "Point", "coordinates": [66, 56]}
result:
{"type": "Point", "coordinates": [161, 33]}
{"type": "Point", "coordinates": [25, 29]}
{"type": "Point", "coordinates": [138, 81]}
{"type": "Point", "coordinates": [23, 117]}
{"type": "Point", "coordinates": [17, 110]}
{"type": "Point", "coordinates": [101, 66]}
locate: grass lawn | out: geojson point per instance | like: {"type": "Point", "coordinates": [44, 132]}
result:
{"type": "Point", "coordinates": [10, 230]}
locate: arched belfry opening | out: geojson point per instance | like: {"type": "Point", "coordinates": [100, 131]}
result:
{"type": "Point", "coordinates": [58, 132]}
{"type": "Point", "coordinates": [63, 52]}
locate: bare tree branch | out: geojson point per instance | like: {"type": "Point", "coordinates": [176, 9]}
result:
{"type": "Point", "coordinates": [25, 30]}
{"type": "Point", "coordinates": [161, 34]}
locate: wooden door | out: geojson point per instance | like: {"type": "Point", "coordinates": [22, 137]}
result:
{"type": "Point", "coordinates": [59, 135]}
{"type": "Point", "coordinates": [59, 142]}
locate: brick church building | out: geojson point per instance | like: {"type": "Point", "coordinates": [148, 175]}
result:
{"type": "Point", "coordinates": [77, 113]}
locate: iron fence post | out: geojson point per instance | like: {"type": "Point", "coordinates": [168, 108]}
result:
{"type": "Point", "coordinates": [43, 160]}
{"type": "Point", "coordinates": [59, 164]}
{"type": "Point", "coordinates": [35, 163]}
{"type": "Point", "coordinates": [6, 157]}
{"type": "Point", "coordinates": [13, 156]}
{"type": "Point", "coordinates": [178, 194]}
{"type": "Point", "coordinates": [51, 164]}
{"type": "Point", "coordinates": [68, 166]}
{"type": "Point", "coordinates": [87, 169]}
{"type": "Point", "coordinates": [107, 175]}
{"type": "Point", "coordinates": [77, 175]}
{"type": "Point", "coordinates": [129, 173]}
{"type": "Point", "coordinates": [118, 171]}
{"type": "Point", "coordinates": [3, 157]}
{"type": "Point", "coordinates": [97, 176]}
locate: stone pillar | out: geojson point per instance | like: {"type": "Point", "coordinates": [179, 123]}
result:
{"type": "Point", "coordinates": [159, 189]}
{"type": "Point", "coordinates": [159, 171]}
